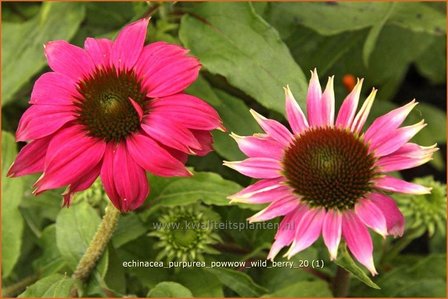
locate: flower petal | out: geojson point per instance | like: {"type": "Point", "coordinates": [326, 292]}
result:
{"type": "Point", "coordinates": [371, 216]}
{"type": "Point", "coordinates": [394, 219]}
{"type": "Point", "coordinates": [128, 45]}
{"type": "Point", "coordinates": [31, 158]}
{"type": "Point", "coordinates": [107, 176]}
{"type": "Point", "coordinates": [327, 103]}
{"type": "Point", "coordinates": [277, 208]}
{"type": "Point", "coordinates": [54, 89]}
{"type": "Point", "coordinates": [83, 183]}
{"type": "Point", "coordinates": [167, 69]}
{"type": "Point", "coordinates": [39, 121]}
{"type": "Point", "coordinates": [285, 233]}
{"type": "Point", "coordinates": [205, 139]}
{"type": "Point", "coordinates": [260, 186]}
{"type": "Point", "coordinates": [388, 122]}
{"type": "Point", "coordinates": [70, 155]}
{"type": "Point", "coordinates": [255, 146]}
{"type": "Point", "coordinates": [99, 49]}
{"type": "Point", "coordinates": [363, 113]}
{"type": "Point", "coordinates": [358, 240]}
{"type": "Point", "coordinates": [398, 185]}
{"type": "Point", "coordinates": [68, 59]}
{"type": "Point", "coordinates": [264, 197]}
{"type": "Point", "coordinates": [349, 106]}
{"type": "Point", "coordinates": [188, 111]}
{"type": "Point", "coordinates": [408, 156]}
{"type": "Point", "coordinates": [313, 100]}
{"type": "Point", "coordinates": [294, 114]}
{"type": "Point", "coordinates": [273, 128]}
{"type": "Point", "coordinates": [308, 231]}
{"type": "Point", "coordinates": [170, 134]}
{"type": "Point", "coordinates": [258, 168]}
{"type": "Point", "coordinates": [395, 139]}
{"type": "Point", "coordinates": [331, 232]}
{"type": "Point", "coordinates": [130, 180]}
{"type": "Point", "coordinates": [152, 157]}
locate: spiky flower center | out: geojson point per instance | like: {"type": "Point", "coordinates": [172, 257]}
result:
{"type": "Point", "coordinates": [105, 108]}
{"type": "Point", "coordinates": [329, 167]}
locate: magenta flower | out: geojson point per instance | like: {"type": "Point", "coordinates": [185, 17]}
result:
{"type": "Point", "coordinates": [113, 109]}
{"type": "Point", "coordinates": [328, 176]}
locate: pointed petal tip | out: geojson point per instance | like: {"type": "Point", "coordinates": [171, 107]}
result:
{"type": "Point", "coordinates": [221, 128]}
{"type": "Point", "coordinates": [256, 115]}
{"type": "Point", "coordinates": [235, 136]}
{"type": "Point", "coordinates": [333, 254]}
{"type": "Point", "coordinates": [10, 173]}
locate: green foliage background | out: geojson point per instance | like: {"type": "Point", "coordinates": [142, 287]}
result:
{"type": "Point", "coordinates": [249, 51]}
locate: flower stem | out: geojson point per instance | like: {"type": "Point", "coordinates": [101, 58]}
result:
{"type": "Point", "coordinates": [98, 244]}
{"type": "Point", "coordinates": [341, 283]}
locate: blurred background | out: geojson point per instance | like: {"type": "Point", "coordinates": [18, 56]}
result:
{"type": "Point", "coordinates": [249, 51]}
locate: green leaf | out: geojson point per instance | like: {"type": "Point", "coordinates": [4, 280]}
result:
{"type": "Point", "coordinates": [12, 221]}
{"type": "Point", "coordinates": [389, 57]}
{"type": "Point", "coordinates": [24, 55]}
{"type": "Point", "coordinates": [327, 18]}
{"type": "Point", "coordinates": [239, 282]}
{"type": "Point", "coordinates": [345, 261]}
{"type": "Point", "coordinates": [115, 279]}
{"type": "Point", "coordinates": [169, 289]}
{"type": "Point", "coordinates": [432, 62]}
{"type": "Point", "coordinates": [53, 286]}
{"type": "Point", "coordinates": [200, 283]}
{"type": "Point", "coordinates": [75, 228]}
{"type": "Point", "coordinates": [425, 278]}
{"type": "Point", "coordinates": [372, 37]}
{"type": "Point", "coordinates": [207, 187]}
{"type": "Point", "coordinates": [311, 49]}
{"type": "Point", "coordinates": [314, 289]}
{"type": "Point", "coordinates": [129, 228]}
{"type": "Point", "coordinates": [234, 113]}
{"type": "Point", "coordinates": [278, 278]}
{"type": "Point", "coordinates": [231, 40]}
{"type": "Point", "coordinates": [419, 17]}
{"type": "Point", "coordinates": [51, 260]}
{"type": "Point", "coordinates": [436, 120]}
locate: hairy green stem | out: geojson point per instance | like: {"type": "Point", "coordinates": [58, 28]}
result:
{"type": "Point", "coordinates": [341, 283]}
{"type": "Point", "coordinates": [98, 244]}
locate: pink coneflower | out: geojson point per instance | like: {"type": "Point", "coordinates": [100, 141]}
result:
{"type": "Point", "coordinates": [328, 176]}
{"type": "Point", "coordinates": [113, 109]}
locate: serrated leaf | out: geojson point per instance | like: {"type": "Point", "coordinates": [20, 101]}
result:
{"type": "Point", "coordinates": [231, 40]}
{"type": "Point", "coordinates": [12, 221]}
{"type": "Point", "coordinates": [169, 289]}
{"type": "Point", "coordinates": [345, 261]}
{"type": "Point", "coordinates": [24, 56]}
{"type": "Point", "coordinates": [239, 282]}
{"type": "Point", "coordinates": [53, 286]}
